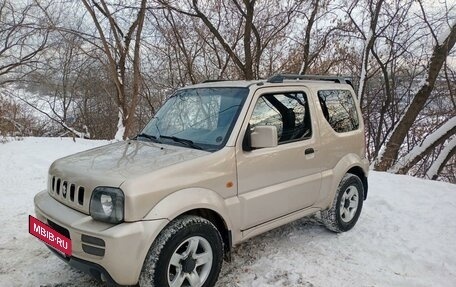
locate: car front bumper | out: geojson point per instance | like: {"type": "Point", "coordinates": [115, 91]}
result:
{"type": "Point", "coordinates": [113, 253]}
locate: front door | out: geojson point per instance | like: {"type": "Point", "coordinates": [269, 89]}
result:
{"type": "Point", "coordinates": [273, 182]}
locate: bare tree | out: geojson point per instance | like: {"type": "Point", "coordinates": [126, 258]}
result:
{"type": "Point", "coordinates": [182, 46]}
{"type": "Point", "coordinates": [59, 84]}
{"type": "Point", "coordinates": [111, 72]}
{"type": "Point", "coordinates": [15, 120]}
{"type": "Point", "coordinates": [441, 49]}
{"type": "Point", "coordinates": [119, 54]}
{"type": "Point", "coordinates": [374, 11]}
{"type": "Point", "coordinates": [255, 20]}
{"type": "Point", "coordinates": [23, 39]}
{"type": "Point", "coordinates": [392, 56]}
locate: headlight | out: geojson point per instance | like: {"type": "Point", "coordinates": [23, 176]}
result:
{"type": "Point", "coordinates": [107, 204]}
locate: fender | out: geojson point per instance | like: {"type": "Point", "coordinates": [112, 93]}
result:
{"type": "Point", "coordinates": [331, 178]}
{"type": "Point", "coordinates": [194, 198]}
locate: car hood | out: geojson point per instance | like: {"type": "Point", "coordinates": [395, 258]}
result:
{"type": "Point", "coordinates": [122, 160]}
{"type": "Point", "coordinates": [111, 165]}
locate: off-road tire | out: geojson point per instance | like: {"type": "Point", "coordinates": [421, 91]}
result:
{"type": "Point", "coordinates": [155, 267]}
{"type": "Point", "coordinates": [331, 217]}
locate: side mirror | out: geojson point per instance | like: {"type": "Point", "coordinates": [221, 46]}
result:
{"type": "Point", "coordinates": [263, 136]}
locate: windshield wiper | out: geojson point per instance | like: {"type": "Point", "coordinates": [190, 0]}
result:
{"type": "Point", "coordinates": [187, 142]}
{"type": "Point", "coordinates": [147, 136]}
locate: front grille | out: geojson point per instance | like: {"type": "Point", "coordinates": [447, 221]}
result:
{"type": "Point", "coordinates": [81, 195]}
{"type": "Point", "coordinates": [72, 189]}
{"type": "Point", "coordinates": [67, 191]}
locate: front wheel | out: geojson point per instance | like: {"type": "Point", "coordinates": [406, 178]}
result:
{"type": "Point", "coordinates": [187, 253]}
{"type": "Point", "coordinates": [347, 205]}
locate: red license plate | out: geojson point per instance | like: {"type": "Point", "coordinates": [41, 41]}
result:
{"type": "Point", "coordinates": [49, 236]}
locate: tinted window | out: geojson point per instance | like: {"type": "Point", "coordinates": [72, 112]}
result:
{"type": "Point", "coordinates": [289, 112]}
{"type": "Point", "coordinates": [339, 109]}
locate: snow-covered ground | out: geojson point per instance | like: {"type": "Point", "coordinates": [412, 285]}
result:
{"type": "Point", "coordinates": [406, 235]}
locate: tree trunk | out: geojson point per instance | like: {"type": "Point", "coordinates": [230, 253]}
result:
{"type": "Point", "coordinates": [308, 34]}
{"type": "Point", "coordinates": [127, 96]}
{"type": "Point", "coordinates": [386, 159]}
{"type": "Point", "coordinates": [370, 41]}
{"type": "Point", "coordinates": [248, 66]}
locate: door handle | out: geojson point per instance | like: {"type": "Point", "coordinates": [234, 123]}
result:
{"type": "Point", "coordinates": [309, 151]}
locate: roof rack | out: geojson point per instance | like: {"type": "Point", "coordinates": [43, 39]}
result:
{"type": "Point", "coordinates": [213, 81]}
{"type": "Point", "coordinates": [278, 78]}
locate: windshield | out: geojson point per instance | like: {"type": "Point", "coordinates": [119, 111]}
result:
{"type": "Point", "coordinates": [198, 118]}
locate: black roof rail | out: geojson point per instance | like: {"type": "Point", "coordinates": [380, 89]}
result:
{"type": "Point", "coordinates": [278, 78]}
{"type": "Point", "coordinates": [213, 81]}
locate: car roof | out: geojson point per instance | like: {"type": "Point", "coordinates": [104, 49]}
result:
{"type": "Point", "coordinates": [281, 80]}
{"type": "Point", "coordinates": [318, 84]}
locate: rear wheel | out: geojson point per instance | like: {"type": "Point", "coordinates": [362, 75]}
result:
{"type": "Point", "coordinates": [347, 205]}
{"type": "Point", "coordinates": [188, 252]}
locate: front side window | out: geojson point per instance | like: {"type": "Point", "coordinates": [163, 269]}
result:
{"type": "Point", "coordinates": [339, 109]}
{"type": "Point", "coordinates": [203, 117]}
{"type": "Point", "coordinates": [289, 112]}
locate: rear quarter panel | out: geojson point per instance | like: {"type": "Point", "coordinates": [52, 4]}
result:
{"type": "Point", "coordinates": [339, 151]}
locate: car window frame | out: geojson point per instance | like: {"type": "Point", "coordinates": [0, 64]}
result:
{"type": "Point", "coordinates": [356, 105]}
{"type": "Point", "coordinates": [289, 90]}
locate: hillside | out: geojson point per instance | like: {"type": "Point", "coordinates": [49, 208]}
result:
{"type": "Point", "coordinates": [406, 235]}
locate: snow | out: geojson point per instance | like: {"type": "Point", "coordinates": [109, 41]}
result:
{"type": "Point", "coordinates": [302, 67]}
{"type": "Point", "coordinates": [379, 157]}
{"type": "Point", "coordinates": [120, 127]}
{"type": "Point", "coordinates": [405, 236]}
{"type": "Point", "coordinates": [441, 158]}
{"type": "Point", "coordinates": [79, 134]}
{"type": "Point", "coordinates": [441, 38]}
{"type": "Point", "coordinates": [421, 82]}
{"type": "Point", "coordinates": [24, 261]}
{"type": "Point", "coordinates": [427, 142]}
{"type": "Point", "coordinates": [43, 107]}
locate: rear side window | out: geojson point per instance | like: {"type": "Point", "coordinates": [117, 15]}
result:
{"type": "Point", "coordinates": [339, 109]}
{"type": "Point", "coordinates": [289, 112]}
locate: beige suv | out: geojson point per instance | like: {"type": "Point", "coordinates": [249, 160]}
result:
{"type": "Point", "coordinates": [221, 162]}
